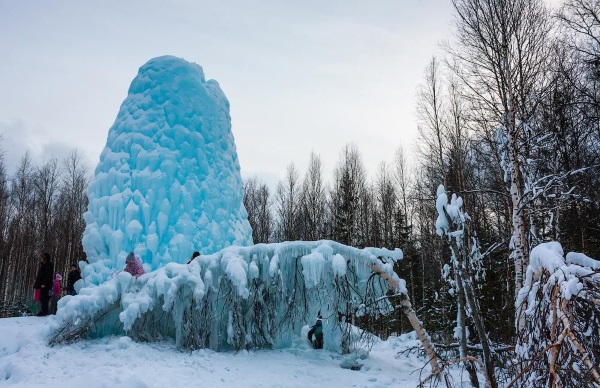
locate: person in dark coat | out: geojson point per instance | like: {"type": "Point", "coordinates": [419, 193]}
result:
{"type": "Point", "coordinates": [317, 330]}
{"type": "Point", "coordinates": [194, 255]}
{"type": "Point", "coordinates": [43, 281]}
{"type": "Point", "coordinates": [73, 276]}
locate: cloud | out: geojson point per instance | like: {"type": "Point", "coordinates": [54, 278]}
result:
{"type": "Point", "coordinates": [17, 137]}
{"type": "Point", "coordinates": [15, 141]}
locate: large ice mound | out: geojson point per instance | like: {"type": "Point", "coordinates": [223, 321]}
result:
{"type": "Point", "coordinates": [261, 296]}
{"type": "Point", "coordinates": [168, 181]}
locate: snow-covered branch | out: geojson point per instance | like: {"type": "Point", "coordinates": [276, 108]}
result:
{"type": "Point", "coordinates": [558, 320]}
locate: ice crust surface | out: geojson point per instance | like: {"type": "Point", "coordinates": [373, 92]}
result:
{"type": "Point", "coordinates": [168, 181]}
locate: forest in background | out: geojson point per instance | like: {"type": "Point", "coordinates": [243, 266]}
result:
{"type": "Point", "coordinates": [509, 121]}
{"type": "Point", "coordinates": [41, 210]}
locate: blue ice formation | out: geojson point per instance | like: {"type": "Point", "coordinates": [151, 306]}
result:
{"type": "Point", "coordinates": [260, 296]}
{"type": "Point", "coordinates": [168, 181]}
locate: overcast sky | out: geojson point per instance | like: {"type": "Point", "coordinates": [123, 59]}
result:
{"type": "Point", "coordinates": [301, 76]}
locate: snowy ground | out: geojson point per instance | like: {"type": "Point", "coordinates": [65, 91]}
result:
{"type": "Point", "coordinates": [26, 361]}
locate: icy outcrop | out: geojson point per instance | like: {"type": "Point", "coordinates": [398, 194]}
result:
{"type": "Point", "coordinates": [168, 181]}
{"type": "Point", "coordinates": [239, 298]}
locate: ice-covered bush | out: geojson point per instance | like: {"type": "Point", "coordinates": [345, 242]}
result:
{"type": "Point", "coordinates": [239, 298]}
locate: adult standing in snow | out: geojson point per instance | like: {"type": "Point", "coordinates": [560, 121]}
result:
{"type": "Point", "coordinates": [73, 276]}
{"type": "Point", "coordinates": [133, 265]}
{"type": "Point", "coordinates": [43, 281]}
{"type": "Point", "coordinates": [317, 330]}
{"type": "Point", "coordinates": [194, 255]}
{"type": "Point", "coordinates": [56, 293]}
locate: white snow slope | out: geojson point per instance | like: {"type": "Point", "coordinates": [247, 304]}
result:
{"type": "Point", "coordinates": [26, 361]}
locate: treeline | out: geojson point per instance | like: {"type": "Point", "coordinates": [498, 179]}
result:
{"type": "Point", "coordinates": [348, 208]}
{"type": "Point", "coordinates": [41, 210]}
{"type": "Point", "coordinates": [509, 121]}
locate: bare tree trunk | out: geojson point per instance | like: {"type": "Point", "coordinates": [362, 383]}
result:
{"type": "Point", "coordinates": [461, 321]}
{"type": "Point", "coordinates": [503, 61]}
{"type": "Point", "coordinates": [414, 321]}
{"type": "Point", "coordinates": [519, 236]}
{"type": "Point", "coordinates": [473, 304]}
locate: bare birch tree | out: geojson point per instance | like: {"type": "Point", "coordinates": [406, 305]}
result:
{"type": "Point", "coordinates": [287, 206]}
{"type": "Point", "coordinates": [258, 204]}
{"type": "Point", "coordinates": [314, 200]}
{"type": "Point", "coordinates": [502, 57]}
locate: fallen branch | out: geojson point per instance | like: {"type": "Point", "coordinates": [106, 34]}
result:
{"type": "Point", "coordinates": [476, 360]}
{"type": "Point", "coordinates": [69, 332]}
{"type": "Point", "coordinates": [531, 363]}
{"type": "Point", "coordinates": [585, 356]}
{"type": "Point", "coordinates": [412, 317]}
{"type": "Point", "coordinates": [475, 348]}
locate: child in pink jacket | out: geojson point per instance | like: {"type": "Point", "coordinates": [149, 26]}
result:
{"type": "Point", "coordinates": [56, 293]}
{"type": "Point", "coordinates": [133, 265]}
